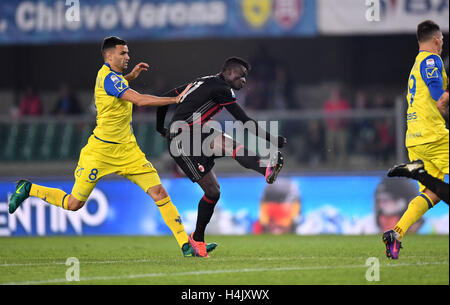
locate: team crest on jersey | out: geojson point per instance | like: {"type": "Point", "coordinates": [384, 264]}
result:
{"type": "Point", "coordinates": [430, 62]}
{"type": "Point", "coordinates": [201, 168]}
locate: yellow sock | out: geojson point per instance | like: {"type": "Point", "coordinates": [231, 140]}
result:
{"type": "Point", "coordinates": [173, 220]}
{"type": "Point", "coordinates": [416, 209]}
{"type": "Point", "coordinates": [50, 195]}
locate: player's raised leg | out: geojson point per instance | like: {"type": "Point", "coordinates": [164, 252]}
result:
{"type": "Point", "coordinates": [225, 145]}
{"type": "Point", "coordinates": [416, 170]}
{"type": "Point", "coordinates": [54, 196]}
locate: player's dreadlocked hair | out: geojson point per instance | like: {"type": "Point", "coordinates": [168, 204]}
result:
{"type": "Point", "coordinates": [426, 30]}
{"type": "Point", "coordinates": [111, 42]}
{"type": "Point", "coordinates": [234, 61]}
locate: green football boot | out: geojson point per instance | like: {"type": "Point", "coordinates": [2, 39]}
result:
{"type": "Point", "coordinates": [188, 251]}
{"type": "Point", "coordinates": [22, 192]}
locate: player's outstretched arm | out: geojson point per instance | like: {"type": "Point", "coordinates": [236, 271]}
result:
{"type": "Point", "coordinates": [142, 100]}
{"type": "Point", "coordinates": [162, 110]}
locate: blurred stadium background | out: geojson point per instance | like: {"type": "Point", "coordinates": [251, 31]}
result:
{"type": "Point", "coordinates": [334, 80]}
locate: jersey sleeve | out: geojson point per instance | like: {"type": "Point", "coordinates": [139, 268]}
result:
{"type": "Point", "coordinates": [431, 71]}
{"type": "Point", "coordinates": [114, 85]}
{"type": "Point", "coordinates": [175, 91]}
{"type": "Point", "coordinates": [224, 96]}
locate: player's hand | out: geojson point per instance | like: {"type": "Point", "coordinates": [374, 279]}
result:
{"type": "Point", "coordinates": [180, 96]}
{"type": "Point", "coordinates": [142, 66]}
{"type": "Point", "coordinates": [282, 141]}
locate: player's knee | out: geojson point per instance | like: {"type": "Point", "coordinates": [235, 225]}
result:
{"type": "Point", "coordinates": [434, 198]}
{"type": "Point", "coordinates": [74, 204]}
{"type": "Point", "coordinates": [157, 192]}
{"type": "Point", "coordinates": [213, 193]}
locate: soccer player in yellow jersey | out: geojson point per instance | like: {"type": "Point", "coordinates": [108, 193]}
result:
{"type": "Point", "coordinates": [427, 137]}
{"type": "Point", "coordinates": [112, 147]}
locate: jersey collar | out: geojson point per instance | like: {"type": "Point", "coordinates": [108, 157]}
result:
{"type": "Point", "coordinates": [106, 64]}
{"type": "Point", "coordinates": [420, 51]}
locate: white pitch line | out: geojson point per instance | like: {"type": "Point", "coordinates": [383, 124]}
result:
{"type": "Point", "coordinates": [84, 262]}
{"type": "Point", "coordinates": [202, 272]}
{"type": "Point", "coordinates": [215, 259]}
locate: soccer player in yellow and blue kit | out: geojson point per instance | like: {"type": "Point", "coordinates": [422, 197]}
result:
{"type": "Point", "coordinates": [112, 147]}
{"type": "Point", "coordinates": [427, 137]}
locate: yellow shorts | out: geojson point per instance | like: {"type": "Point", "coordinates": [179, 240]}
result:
{"type": "Point", "coordinates": [435, 157]}
{"type": "Point", "coordinates": [98, 159]}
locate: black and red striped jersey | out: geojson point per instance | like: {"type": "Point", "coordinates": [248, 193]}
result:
{"type": "Point", "coordinates": [207, 96]}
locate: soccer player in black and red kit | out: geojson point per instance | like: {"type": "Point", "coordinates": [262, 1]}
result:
{"type": "Point", "coordinates": [208, 96]}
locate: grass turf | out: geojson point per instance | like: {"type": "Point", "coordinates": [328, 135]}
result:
{"type": "Point", "coordinates": [238, 260]}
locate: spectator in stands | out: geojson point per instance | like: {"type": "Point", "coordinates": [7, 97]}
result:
{"type": "Point", "coordinates": [362, 131]}
{"type": "Point", "coordinates": [260, 80]}
{"type": "Point", "coordinates": [315, 143]}
{"type": "Point", "coordinates": [281, 89]}
{"type": "Point", "coordinates": [66, 104]}
{"type": "Point", "coordinates": [336, 132]}
{"type": "Point", "coordinates": [380, 101]}
{"type": "Point", "coordinates": [31, 103]}
{"type": "Point", "coordinates": [385, 139]}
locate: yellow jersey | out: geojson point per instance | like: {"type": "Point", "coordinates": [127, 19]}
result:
{"type": "Point", "coordinates": [427, 82]}
{"type": "Point", "coordinates": [114, 114]}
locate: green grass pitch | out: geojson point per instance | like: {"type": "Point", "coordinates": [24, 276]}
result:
{"type": "Point", "coordinates": [238, 260]}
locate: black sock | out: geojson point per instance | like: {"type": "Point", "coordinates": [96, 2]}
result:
{"type": "Point", "coordinates": [241, 155]}
{"type": "Point", "coordinates": [439, 187]}
{"type": "Point", "coordinates": [205, 212]}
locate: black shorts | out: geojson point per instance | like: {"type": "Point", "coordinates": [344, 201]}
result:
{"type": "Point", "coordinates": [194, 165]}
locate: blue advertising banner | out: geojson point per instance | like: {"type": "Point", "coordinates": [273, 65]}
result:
{"type": "Point", "coordinates": [298, 204]}
{"type": "Point", "coordinates": [58, 21]}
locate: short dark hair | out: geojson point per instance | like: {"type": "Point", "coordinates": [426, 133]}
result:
{"type": "Point", "coordinates": [426, 30]}
{"type": "Point", "coordinates": [234, 61]}
{"type": "Point", "coordinates": [111, 42]}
